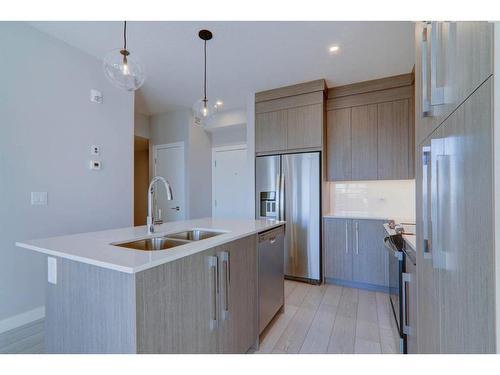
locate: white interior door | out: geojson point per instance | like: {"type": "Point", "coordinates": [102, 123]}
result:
{"type": "Point", "coordinates": [230, 182]}
{"type": "Point", "coordinates": [169, 163]}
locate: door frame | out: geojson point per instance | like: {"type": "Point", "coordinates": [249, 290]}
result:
{"type": "Point", "coordinates": [155, 149]}
{"type": "Point", "coordinates": [239, 146]}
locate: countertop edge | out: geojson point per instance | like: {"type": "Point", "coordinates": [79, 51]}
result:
{"type": "Point", "coordinates": [132, 270]}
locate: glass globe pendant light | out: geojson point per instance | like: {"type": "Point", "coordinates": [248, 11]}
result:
{"type": "Point", "coordinates": [203, 108]}
{"type": "Point", "coordinates": [123, 70]}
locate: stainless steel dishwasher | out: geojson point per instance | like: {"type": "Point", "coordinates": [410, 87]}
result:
{"type": "Point", "coordinates": [271, 274]}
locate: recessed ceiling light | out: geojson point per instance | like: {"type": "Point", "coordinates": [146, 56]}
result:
{"type": "Point", "coordinates": [218, 103]}
{"type": "Point", "coordinates": [334, 48]}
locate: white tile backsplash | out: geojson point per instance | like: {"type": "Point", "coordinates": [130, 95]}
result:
{"type": "Point", "coordinates": [393, 199]}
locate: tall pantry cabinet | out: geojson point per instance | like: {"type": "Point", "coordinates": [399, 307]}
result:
{"type": "Point", "coordinates": [454, 183]}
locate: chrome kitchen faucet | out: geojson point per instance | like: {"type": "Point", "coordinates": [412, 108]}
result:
{"type": "Point", "coordinates": [151, 189]}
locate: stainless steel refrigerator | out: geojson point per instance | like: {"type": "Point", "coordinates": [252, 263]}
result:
{"type": "Point", "coordinates": [288, 187]}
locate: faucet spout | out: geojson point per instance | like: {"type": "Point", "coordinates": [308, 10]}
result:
{"type": "Point", "coordinates": [151, 189]}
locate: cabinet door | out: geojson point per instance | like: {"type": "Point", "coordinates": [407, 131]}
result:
{"type": "Point", "coordinates": [270, 131]}
{"type": "Point", "coordinates": [393, 140]}
{"type": "Point", "coordinates": [474, 55]}
{"type": "Point", "coordinates": [305, 127]}
{"type": "Point", "coordinates": [338, 255]}
{"type": "Point", "coordinates": [238, 329]}
{"type": "Point", "coordinates": [339, 144]}
{"type": "Point", "coordinates": [176, 304]}
{"type": "Point", "coordinates": [464, 247]}
{"type": "Point", "coordinates": [364, 142]}
{"type": "Point", "coordinates": [452, 60]}
{"type": "Point", "coordinates": [428, 325]}
{"type": "Point", "coordinates": [369, 254]}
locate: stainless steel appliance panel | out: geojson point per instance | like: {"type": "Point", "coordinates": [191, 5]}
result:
{"type": "Point", "coordinates": [301, 185]}
{"type": "Point", "coordinates": [271, 281]}
{"type": "Point", "coordinates": [267, 184]}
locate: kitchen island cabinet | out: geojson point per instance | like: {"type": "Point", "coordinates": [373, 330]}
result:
{"type": "Point", "coordinates": [201, 297]}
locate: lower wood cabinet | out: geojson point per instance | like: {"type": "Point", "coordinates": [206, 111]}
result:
{"type": "Point", "coordinates": [204, 303]}
{"type": "Point", "coordinates": [238, 323]}
{"type": "Point", "coordinates": [355, 252]}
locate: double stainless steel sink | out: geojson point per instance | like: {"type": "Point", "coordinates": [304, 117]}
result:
{"type": "Point", "coordinates": [169, 241]}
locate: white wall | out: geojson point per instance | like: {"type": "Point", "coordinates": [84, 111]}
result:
{"type": "Point", "coordinates": [47, 127]}
{"type": "Point", "coordinates": [230, 136]}
{"type": "Point", "coordinates": [178, 126]}
{"type": "Point", "coordinates": [141, 125]}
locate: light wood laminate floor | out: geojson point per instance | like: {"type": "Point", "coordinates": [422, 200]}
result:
{"type": "Point", "coordinates": [331, 319]}
{"type": "Point", "coordinates": [317, 319]}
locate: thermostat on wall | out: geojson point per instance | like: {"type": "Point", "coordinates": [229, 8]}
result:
{"type": "Point", "coordinates": [95, 165]}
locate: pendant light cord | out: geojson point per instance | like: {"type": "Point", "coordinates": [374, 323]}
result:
{"type": "Point", "coordinates": [125, 35]}
{"type": "Point", "coordinates": [205, 75]}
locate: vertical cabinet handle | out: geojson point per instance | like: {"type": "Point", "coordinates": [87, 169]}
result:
{"type": "Point", "coordinates": [213, 265]}
{"type": "Point", "coordinates": [406, 280]}
{"type": "Point", "coordinates": [226, 280]}
{"type": "Point", "coordinates": [346, 239]}
{"type": "Point", "coordinates": [426, 166]}
{"type": "Point", "coordinates": [437, 92]}
{"type": "Point", "coordinates": [426, 106]}
{"type": "Point", "coordinates": [357, 238]}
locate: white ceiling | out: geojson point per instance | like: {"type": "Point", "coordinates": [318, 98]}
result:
{"type": "Point", "coordinates": [244, 57]}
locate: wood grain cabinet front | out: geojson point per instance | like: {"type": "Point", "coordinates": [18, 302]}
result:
{"type": "Point", "coordinates": [355, 252]}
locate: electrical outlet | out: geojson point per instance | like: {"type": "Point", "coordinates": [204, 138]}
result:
{"type": "Point", "coordinates": [95, 165]}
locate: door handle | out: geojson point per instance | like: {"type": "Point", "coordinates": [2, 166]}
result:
{"type": "Point", "coordinates": [214, 291]}
{"type": "Point", "coordinates": [406, 279]}
{"type": "Point", "coordinates": [346, 239]}
{"type": "Point", "coordinates": [357, 238]}
{"type": "Point", "coordinates": [224, 256]}
{"type": "Point", "coordinates": [426, 165]}
{"type": "Point", "coordinates": [272, 240]}
{"type": "Point", "coordinates": [177, 208]}
{"type": "Point", "coordinates": [426, 107]}
{"type": "Point", "coordinates": [282, 197]}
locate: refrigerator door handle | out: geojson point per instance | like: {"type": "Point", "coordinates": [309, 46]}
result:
{"type": "Point", "coordinates": [278, 196]}
{"type": "Point", "coordinates": [282, 197]}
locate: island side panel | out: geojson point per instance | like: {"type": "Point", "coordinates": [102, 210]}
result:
{"type": "Point", "coordinates": [90, 310]}
{"type": "Point", "coordinates": [174, 307]}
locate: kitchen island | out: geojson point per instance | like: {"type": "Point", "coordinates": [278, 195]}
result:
{"type": "Point", "coordinates": [200, 296]}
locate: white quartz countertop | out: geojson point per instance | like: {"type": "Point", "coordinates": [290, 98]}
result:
{"type": "Point", "coordinates": [95, 248]}
{"type": "Point", "coordinates": [410, 239]}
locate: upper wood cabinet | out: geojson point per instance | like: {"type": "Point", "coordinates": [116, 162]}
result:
{"type": "Point", "coordinates": [370, 130]}
{"type": "Point", "coordinates": [452, 59]}
{"type": "Point", "coordinates": [339, 164]}
{"type": "Point", "coordinates": [290, 118]}
{"type": "Point", "coordinates": [270, 131]}
{"type": "Point", "coordinates": [364, 142]}
{"type": "Point", "coordinates": [393, 140]}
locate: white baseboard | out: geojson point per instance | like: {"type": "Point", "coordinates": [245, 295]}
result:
{"type": "Point", "coordinates": [22, 319]}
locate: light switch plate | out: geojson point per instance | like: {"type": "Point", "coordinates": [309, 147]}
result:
{"type": "Point", "coordinates": [38, 198]}
{"type": "Point", "coordinates": [52, 270]}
